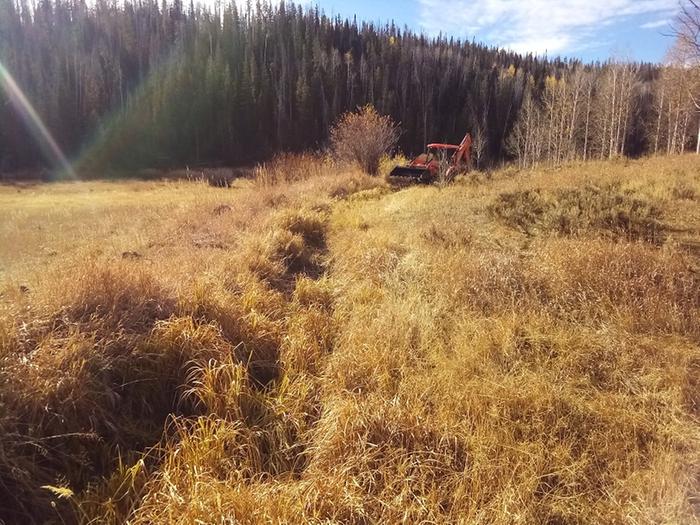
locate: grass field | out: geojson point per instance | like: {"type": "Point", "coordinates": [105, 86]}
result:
{"type": "Point", "coordinates": [517, 347]}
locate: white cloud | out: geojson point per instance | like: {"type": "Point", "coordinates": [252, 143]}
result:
{"type": "Point", "coordinates": [655, 24]}
{"type": "Point", "coordinates": [537, 26]}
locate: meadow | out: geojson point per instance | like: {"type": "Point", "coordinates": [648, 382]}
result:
{"type": "Point", "coordinates": [314, 345]}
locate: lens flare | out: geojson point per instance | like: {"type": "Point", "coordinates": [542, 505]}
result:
{"type": "Point", "coordinates": [35, 125]}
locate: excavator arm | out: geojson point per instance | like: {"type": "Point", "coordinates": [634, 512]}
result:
{"type": "Point", "coordinates": [463, 154]}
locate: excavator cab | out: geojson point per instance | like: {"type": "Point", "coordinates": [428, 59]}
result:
{"type": "Point", "coordinates": [435, 152]}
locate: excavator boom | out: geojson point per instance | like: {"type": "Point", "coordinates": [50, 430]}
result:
{"type": "Point", "coordinates": [464, 152]}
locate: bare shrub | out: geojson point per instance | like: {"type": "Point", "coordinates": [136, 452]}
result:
{"type": "Point", "coordinates": [364, 137]}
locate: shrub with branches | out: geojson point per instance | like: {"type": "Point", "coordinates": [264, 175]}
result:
{"type": "Point", "coordinates": [364, 137]}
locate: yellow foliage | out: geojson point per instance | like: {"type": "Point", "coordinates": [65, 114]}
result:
{"type": "Point", "coordinates": [551, 83]}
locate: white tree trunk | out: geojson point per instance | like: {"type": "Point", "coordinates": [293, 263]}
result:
{"type": "Point", "coordinates": [658, 122]}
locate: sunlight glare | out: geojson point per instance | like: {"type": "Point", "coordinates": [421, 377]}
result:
{"type": "Point", "coordinates": [34, 123]}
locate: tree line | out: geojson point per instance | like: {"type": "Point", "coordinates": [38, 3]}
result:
{"type": "Point", "coordinates": [614, 110]}
{"type": "Point", "coordinates": [145, 84]}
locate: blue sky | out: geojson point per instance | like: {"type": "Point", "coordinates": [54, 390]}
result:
{"type": "Point", "coordinates": [586, 29]}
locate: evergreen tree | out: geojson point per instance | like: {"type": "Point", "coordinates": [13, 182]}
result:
{"type": "Point", "coordinates": [158, 83]}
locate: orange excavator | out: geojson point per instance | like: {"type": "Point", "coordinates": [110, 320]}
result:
{"type": "Point", "coordinates": [445, 160]}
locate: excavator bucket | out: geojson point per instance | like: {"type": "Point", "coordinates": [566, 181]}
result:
{"type": "Point", "coordinates": [410, 172]}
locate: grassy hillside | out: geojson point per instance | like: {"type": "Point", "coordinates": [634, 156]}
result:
{"type": "Point", "coordinates": [513, 348]}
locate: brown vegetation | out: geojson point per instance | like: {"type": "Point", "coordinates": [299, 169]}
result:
{"type": "Point", "coordinates": [579, 210]}
{"type": "Point", "coordinates": [363, 138]}
{"type": "Point", "coordinates": [524, 349]}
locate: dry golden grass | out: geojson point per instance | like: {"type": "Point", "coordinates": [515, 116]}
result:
{"type": "Point", "coordinates": [290, 167]}
{"type": "Point", "coordinates": [513, 348]}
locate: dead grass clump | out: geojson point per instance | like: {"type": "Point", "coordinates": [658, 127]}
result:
{"type": "Point", "coordinates": [208, 447]}
{"type": "Point", "coordinates": [684, 191]}
{"type": "Point", "coordinates": [175, 346]}
{"type": "Point", "coordinates": [310, 337]}
{"type": "Point", "coordinates": [374, 352]}
{"type": "Point", "coordinates": [294, 245]}
{"type": "Point", "coordinates": [273, 419]}
{"type": "Point", "coordinates": [252, 437]}
{"type": "Point", "coordinates": [562, 411]}
{"type": "Point", "coordinates": [291, 167]}
{"type": "Point", "coordinates": [78, 398]}
{"type": "Point", "coordinates": [294, 253]}
{"type": "Point", "coordinates": [448, 238]}
{"type": "Point", "coordinates": [311, 330]}
{"type": "Point", "coordinates": [252, 430]}
{"type": "Point", "coordinates": [102, 371]}
{"type": "Point", "coordinates": [314, 293]}
{"type": "Point", "coordinates": [378, 259]}
{"type": "Point", "coordinates": [9, 343]}
{"type": "Point", "coordinates": [115, 499]}
{"type": "Point", "coordinates": [375, 193]}
{"type": "Point", "coordinates": [111, 298]}
{"type": "Point", "coordinates": [204, 456]}
{"type": "Point", "coordinates": [353, 184]}
{"type": "Point", "coordinates": [373, 462]}
{"type": "Point", "coordinates": [221, 387]}
{"type": "Point", "coordinates": [576, 210]}
{"type": "Point", "coordinates": [644, 288]}
{"type": "Point", "coordinates": [523, 210]}
{"type": "Point", "coordinates": [82, 352]}
{"type": "Point", "coordinates": [392, 463]}
{"type": "Point", "coordinates": [309, 224]}
{"type": "Point", "coordinates": [251, 320]}
{"type": "Point", "coordinates": [485, 281]}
